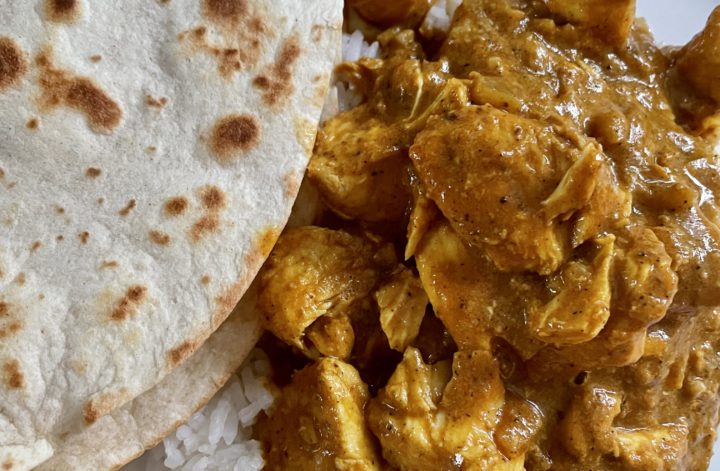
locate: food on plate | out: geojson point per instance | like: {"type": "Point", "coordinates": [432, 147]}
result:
{"type": "Point", "coordinates": [314, 284]}
{"type": "Point", "coordinates": [324, 406]}
{"type": "Point", "coordinates": [221, 435]}
{"type": "Point", "coordinates": [519, 263]}
{"type": "Point", "coordinates": [391, 12]}
{"type": "Point", "coordinates": [150, 154]}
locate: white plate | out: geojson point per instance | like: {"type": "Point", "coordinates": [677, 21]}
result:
{"type": "Point", "coordinates": [674, 23]}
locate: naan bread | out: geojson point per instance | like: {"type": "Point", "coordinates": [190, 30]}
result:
{"type": "Point", "coordinates": [150, 152]}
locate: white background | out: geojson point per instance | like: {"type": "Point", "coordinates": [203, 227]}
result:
{"type": "Point", "coordinates": [675, 22]}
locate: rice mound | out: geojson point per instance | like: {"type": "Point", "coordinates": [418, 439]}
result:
{"type": "Point", "coordinates": [440, 15]}
{"type": "Point", "coordinates": [219, 436]}
{"type": "Point", "coordinates": [355, 47]}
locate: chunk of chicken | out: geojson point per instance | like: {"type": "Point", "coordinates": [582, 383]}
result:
{"type": "Point", "coordinates": [656, 448]}
{"type": "Point", "coordinates": [424, 212]}
{"type": "Point", "coordinates": [318, 422]}
{"type": "Point", "coordinates": [497, 92]}
{"type": "Point", "coordinates": [577, 185]}
{"type": "Point", "coordinates": [699, 60]}
{"type": "Point", "coordinates": [519, 424]}
{"type": "Point", "coordinates": [691, 240]}
{"type": "Point", "coordinates": [396, 11]}
{"type": "Point", "coordinates": [609, 208]}
{"type": "Point", "coordinates": [590, 189]}
{"type": "Point", "coordinates": [314, 273]}
{"type": "Point", "coordinates": [507, 183]}
{"type": "Point", "coordinates": [587, 431]}
{"type": "Point", "coordinates": [425, 422]}
{"type": "Point", "coordinates": [452, 96]}
{"type": "Point", "coordinates": [648, 282]}
{"type": "Point", "coordinates": [474, 300]}
{"type": "Point", "coordinates": [359, 163]}
{"type": "Point", "coordinates": [359, 167]}
{"type": "Point", "coordinates": [402, 302]}
{"type": "Point", "coordinates": [644, 285]}
{"type": "Point", "coordinates": [609, 20]}
{"type": "Point", "coordinates": [587, 425]}
{"type": "Point", "coordinates": [332, 336]}
{"type": "Point", "coordinates": [582, 307]}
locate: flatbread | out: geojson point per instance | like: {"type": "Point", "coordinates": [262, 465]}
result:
{"type": "Point", "coordinates": [150, 153]}
{"type": "Point", "coordinates": [141, 423]}
{"type": "Point", "coordinates": [124, 434]}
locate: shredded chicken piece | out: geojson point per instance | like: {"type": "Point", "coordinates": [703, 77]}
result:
{"type": "Point", "coordinates": [582, 307]}
{"type": "Point", "coordinates": [321, 409]}
{"type": "Point", "coordinates": [425, 422]}
{"type": "Point", "coordinates": [645, 285]}
{"type": "Point", "coordinates": [609, 20]}
{"type": "Point", "coordinates": [397, 11]}
{"type": "Point", "coordinates": [507, 183]}
{"type": "Point", "coordinates": [359, 164]}
{"type": "Point", "coordinates": [699, 60]}
{"type": "Point", "coordinates": [402, 302]}
{"type": "Point", "coordinates": [359, 168]}
{"type": "Point", "coordinates": [424, 212]}
{"type": "Point", "coordinates": [315, 273]}
{"type": "Point", "coordinates": [475, 301]}
{"type": "Point", "coordinates": [588, 429]}
{"type": "Point", "coordinates": [661, 447]}
{"type": "Point", "coordinates": [587, 425]}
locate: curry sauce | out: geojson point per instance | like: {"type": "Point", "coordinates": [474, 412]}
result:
{"type": "Point", "coordinates": [524, 233]}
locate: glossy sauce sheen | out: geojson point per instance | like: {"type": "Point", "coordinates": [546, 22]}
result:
{"type": "Point", "coordinates": [558, 173]}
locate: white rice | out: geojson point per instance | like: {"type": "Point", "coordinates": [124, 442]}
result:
{"type": "Point", "coordinates": [440, 15]}
{"type": "Point", "coordinates": [354, 47]}
{"type": "Point", "coordinates": [219, 436]}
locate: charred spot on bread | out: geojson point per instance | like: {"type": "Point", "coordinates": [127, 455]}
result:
{"type": "Point", "coordinates": [213, 198]}
{"type": "Point", "coordinates": [159, 237]}
{"type": "Point", "coordinates": [176, 355]}
{"type": "Point", "coordinates": [62, 11]}
{"type": "Point", "coordinates": [205, 225]}
{"type": "Point", "coordinates": [175, 206]}
{"type": "Point", "coordinates": [93, 172]}
{"type": "Point", "coordinates": [128, 207]}
{"type": "Point", "coordinates": [128, 304]}
{"type": "Point", "coordinates": [14, 379]}
{"type": "Point", "coordinates": [13, 63]}
{"type": "Point", "coordinates": [233, 135]}
{"type": "Point", "coordinates": [225, 11]}
{"type": "Point", "coordinates": [63, 88]}
{"type": "Point", "coordinates": [276, 84]}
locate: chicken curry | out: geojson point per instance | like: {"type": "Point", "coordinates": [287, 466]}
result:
{"type": "Point", "coordinates": [520, 265]}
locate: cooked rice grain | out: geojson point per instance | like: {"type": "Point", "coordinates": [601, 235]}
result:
{"type": "Point", "coordinates": [219, 436]}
